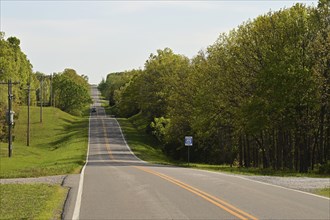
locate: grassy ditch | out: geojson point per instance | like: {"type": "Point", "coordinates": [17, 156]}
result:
{"type": "Point", "coordinates": [57, 146]}
{"type": "Point", "coordinates": [31, 201]}
{"type": "Point", "coordinates": [144, 146]}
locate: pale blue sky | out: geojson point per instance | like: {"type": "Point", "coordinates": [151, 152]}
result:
{"type": "Point", "coordinates": [99, 37]}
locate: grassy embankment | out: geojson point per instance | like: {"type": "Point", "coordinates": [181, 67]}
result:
{"type": "Point", "coordinates": [57, 146]}
{"type": "Point", "coordinates": [143, 145]}
{"type": "Point", "coordinates": [147, 148]}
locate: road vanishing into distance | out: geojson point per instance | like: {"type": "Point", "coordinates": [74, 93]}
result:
{"type": "Point", "coordinates": [115, 184]}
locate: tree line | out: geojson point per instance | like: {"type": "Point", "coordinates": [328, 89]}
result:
{"type": "Point", "coordinates": [66, 90]}
{"type": "Point", "coordinates": [257, 97]}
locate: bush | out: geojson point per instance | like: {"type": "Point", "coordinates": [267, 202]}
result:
{"type": "Point", "coordinates": [325, 168]}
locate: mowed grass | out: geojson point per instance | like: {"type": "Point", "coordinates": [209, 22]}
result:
{"type": "Point", "coordinates": [323, 192]}
{"type": "Point", "coordinates": [31, 201]}
{"type": "Point", "coordinates": [58, 145]}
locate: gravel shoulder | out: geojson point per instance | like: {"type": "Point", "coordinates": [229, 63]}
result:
{"type": "Point", "coordinates": [306, 184]}
{"type": "Point", "coordinates": [299, 183]}
{"type": "Point", "coordinates": [53, 180]}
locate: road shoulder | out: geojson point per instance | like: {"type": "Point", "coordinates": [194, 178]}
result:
{"type": "Point", "coordinates": [71, 182]}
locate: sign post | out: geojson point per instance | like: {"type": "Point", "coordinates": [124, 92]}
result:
{"type": "Point", "coordinates": [188, 142]}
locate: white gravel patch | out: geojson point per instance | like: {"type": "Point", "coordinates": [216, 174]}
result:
{"type": "Point", "coordinates": [306, 184]}
{"type": "Point", "coordinates": [53, 180]}
{"type": "Point", "coordinates": [300, 183]}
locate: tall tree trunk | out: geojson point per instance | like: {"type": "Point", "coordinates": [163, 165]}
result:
{"type": "Point", "coordinates": [321, 152]}
{"type": "Point", "coordinates": [290, 151]}
{"type": "Point", "coordinates": [315, 144]}
{"type": "Point", "coordinates": [246, 151]}
{"type": "Point", "coordinates": [279, 147]}
{"type": "Point", "coordinates": [240, 147]}
{"type": "Point", "coordinates": [327, 144]}
{"type": "Point", "coordinates": [263, 150]}
{"type": "Point", "coordinates": [255, 152]}
{"type": "Point", "coordinates": [296, 151]}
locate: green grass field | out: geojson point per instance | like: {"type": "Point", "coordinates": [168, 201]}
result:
{"type": "Point", "coordinates": [31, 201]}
{"type": "Point", "coordinates": [57, 146]}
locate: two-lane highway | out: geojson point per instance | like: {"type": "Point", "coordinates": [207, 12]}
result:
{"type": "Point", "coordinates": [116, 185]}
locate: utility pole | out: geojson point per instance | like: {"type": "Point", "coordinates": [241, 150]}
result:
{"type": "Point", "coordinates": [28, 121]}
{"type": "Point", "coordinates": [10, 120]}
{"type": "Point", "coordinates": [41, 88]}
{"type": "Point", "coordinates": [51, 90]}
{"type": "Point", "coordinates": [10, 116]}
{"type": "Point", "coordinates": [28, 127]}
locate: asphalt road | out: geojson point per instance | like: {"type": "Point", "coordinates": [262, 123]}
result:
{"type": "Point", "coordinates": [116, 185]}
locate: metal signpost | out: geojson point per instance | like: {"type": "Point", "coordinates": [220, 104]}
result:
{"type": "Point", "coordinates": [188, 142]}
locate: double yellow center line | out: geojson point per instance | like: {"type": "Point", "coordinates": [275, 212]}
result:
{"type": "Point", "coordinates": [106, 139]}
{"type": "Point", "coordinates": [214, 200]}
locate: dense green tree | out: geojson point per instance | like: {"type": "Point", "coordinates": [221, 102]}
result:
{"type": "Point", "coordinates": [113, 83]}
{"type": "Point", "coordinates": [163, 74]}
{"type": "Point", "coordinates": [128, 96]}
{"type": "Point", "coordinates": [14, 66]}
{"type": "Point", "coordinates": [71, 91]}
{"type": "Point", "coordinates": [259, 96]}
{"type": "Point", "coordinates": [320, 55]}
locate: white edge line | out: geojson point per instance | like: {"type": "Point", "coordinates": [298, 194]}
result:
{"type": "Point", "coordinates": [282, 187]}
{"type": "Point", "coordinates": [269, 184]}
{"type": "Point", "coordinates": [121, 132]}
{"type": "Point", "coordinates": [76, 211]}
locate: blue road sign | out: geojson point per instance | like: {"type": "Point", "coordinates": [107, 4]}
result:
{"type": "Point", "coordinates": [188, 141]}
